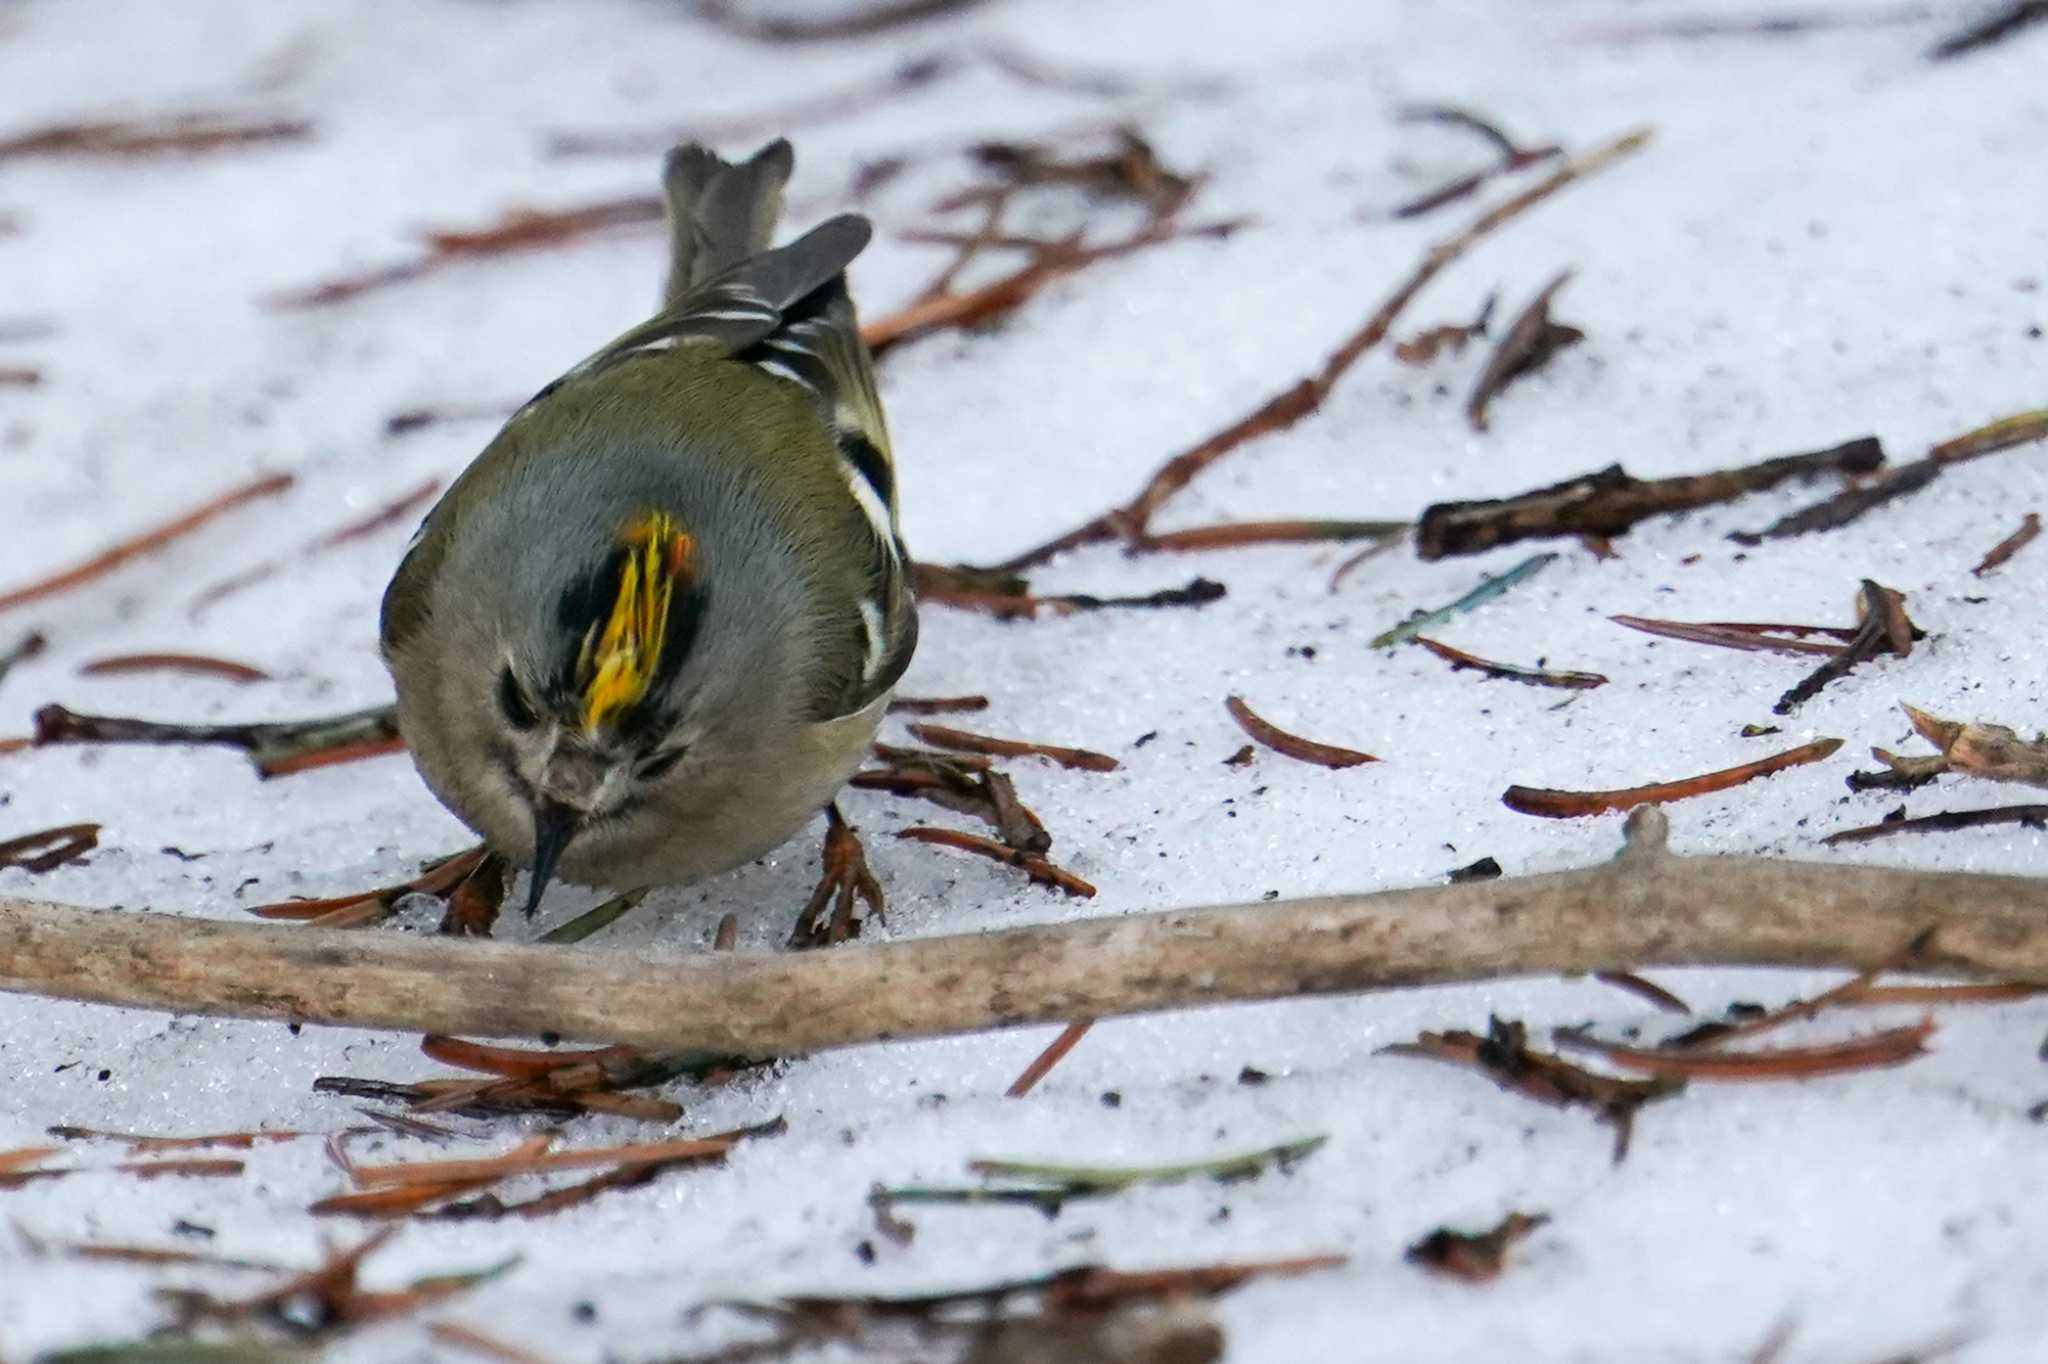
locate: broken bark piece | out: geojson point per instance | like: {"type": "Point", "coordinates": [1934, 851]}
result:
{"type": "Point", "coordinates": [1610, 502]}
{"type": "Point", "coordinates": [1531, 341]}
{"type": "Point", "coordinates": [1475, 1257]}
{"type": "Point", "coordinates": [1540, 677]}
{"type": "Point", "coordinates": [1553, 804]}
{"type": "Point", "coordinates": [1292, 745]}
{"type": "Point", "coordinates": [1993, 752]}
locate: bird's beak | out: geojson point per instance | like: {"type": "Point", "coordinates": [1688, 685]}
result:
{"type": "Point", "coordinates": [554, 824]}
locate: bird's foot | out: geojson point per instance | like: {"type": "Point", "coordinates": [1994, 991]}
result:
{"type": "Point", "coordinates": [832, 915]}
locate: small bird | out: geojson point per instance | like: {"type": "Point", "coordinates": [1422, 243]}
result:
{"type": "Point", "coordinates": [652, 629]}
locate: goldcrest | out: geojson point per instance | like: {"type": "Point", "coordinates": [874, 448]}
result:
{"type": "Point", "coordinates": [652, 629]}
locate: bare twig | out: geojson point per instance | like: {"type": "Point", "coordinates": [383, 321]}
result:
{"type": "Point", "coordinates": [1031, 864]}
{"type": "Point", "coordinates": [1884, 628]}
{"type": "Point", "coordinates": [2032, 816]}
{"type": "Point", "coordinates": [1995, 27]}
{"type": "Point", "coordinates": [2012, 544]}
{"type": "Point", "coordinates": [1080, 759]}
{"type": "Point", "coordinates": [275, 747]}
{"type": "Point", "coordinates": [1054, 1053]}
{"type": "Point", "coordinates": [175, 134]}
{"type": "Point", "coordinates": [1610, 502]}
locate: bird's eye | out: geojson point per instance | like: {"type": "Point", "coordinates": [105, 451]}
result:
{"type": "Point", "coordinates": [652, 769]}
{"type": "Point", "coordinates": [512, 700]}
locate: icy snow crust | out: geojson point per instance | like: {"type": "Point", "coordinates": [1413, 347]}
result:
{"type": "Point", "coordinates": [1828, 237]}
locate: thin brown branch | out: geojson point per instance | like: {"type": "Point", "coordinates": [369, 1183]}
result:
{"type": "Point", "coordinates": [1845, 507]}
{"type": "Point", "coordinates": [1288, 745]}
{"type": "Point", "coordinates": [1305, 396]}
{"type": "Point", "coordinates": [275, 747]}
{"type": "Point", "coordinates": [936, 705]}
{"type": "Point", "coordinates": [148, 542]}
{"type": "Point", "coordinates": [1552, 804]}
{"type": "Point", "coordinates": [1005, 605]}
{"type": "Point", "coordinates": [1948, 821]}
{"type": "Point", "coordinates": [1643, 910]}
{"type": "Point", "coordinates": [2002, 552]}
{"type": "Point", "coordinates": [1510, 156]}
{"type": "Point", "coordinates": [1610, 502]}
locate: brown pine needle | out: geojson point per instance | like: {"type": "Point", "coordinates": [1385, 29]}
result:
{"type": "Point", "coordinates": [520, 1063]}
{"type": "Point", "coordinates": [2012, 544]}
{"type": "Point", "coordinates": [331, 757]}
{"type": "Point", "coordinates": [1055, 1052]}
{"type": "Point", "coordinates": [936, 705]}
{"type": "Point", "coordinates": [48, 849]}
{"type": "Point", "coordinates": [1292, 745]}
{"type": "Point", "coordinates": [389, 514]}
{"type": "Point", "coordinates": [1552, 804]}
{"type": "Point", "coordinates": [141, 1142]}
{"type": "Point", "coordinates": [1743, 634]}
{"type": "Point", "coordinates": [960, 740]}
{"type": "Point", "coordinates": [518, 1163]}
{"type": "Point", "coordinates": [1892, 1047]}
{"type": "Point", "coordinates": [1649, 990]}
{"type": "Point", "coordinates": [1511, 672]}
{"type": "Point", "coordinates": [198, 665]}
{"type": "Point", "coordinates": [1095, 1287]}
{"type": "Point", "coordinates": [1031, 864]}
{"type": "Point", "coordinates": [437, 879]}
{"type": "Point", "coordinates": [148, 542]}
{"type": "Point", "coordinates": [1236, 534]}
{"type": "Point", "coordinates": [477, 1342]}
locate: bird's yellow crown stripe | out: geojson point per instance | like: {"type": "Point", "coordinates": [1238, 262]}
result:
{"type": "Point", "coordinates": [620, 658]}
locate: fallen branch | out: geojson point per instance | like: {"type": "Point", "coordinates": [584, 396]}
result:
{"type": "Point", "coordinates": [1644, 909]}
{"type": "Point", "coordinates": [275, 747]}
{"type": "Point", "coordinates": [1610, 502]}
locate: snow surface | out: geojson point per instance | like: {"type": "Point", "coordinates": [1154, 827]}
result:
{"type": "Point", "coordinates": [1828, 237]}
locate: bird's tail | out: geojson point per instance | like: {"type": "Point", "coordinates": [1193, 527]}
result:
{"type": "Point", "coordinates": [719, 213]}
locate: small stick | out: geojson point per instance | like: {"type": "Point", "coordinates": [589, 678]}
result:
{"type": "Point", "coordinates": [2012, 544]}
{"type": "Point", "coordinates": [1512, 156]}
{"type": "Point", "coordinates": [1292, 745]}
{"type": "Point", "coordinates": [2032, 816]}
{"type": "Point", "coordinates": [1054, 1053]}
{"type": "Point", "coordinates": [1884, 626]}
{"type": "Point", "coordinates": [1649, 990]}
{"type": "Point", "coordinates": [1016, 606]}
{"type": "Point", "coordinates": [148, 542]}
{"type": "Point", "coordinates": [1552, 804]}
{"type": "Point", "coordinates": [1844, 507]}
{"type": "Point", "coordinates": [1610, 502]}
{"type": "Point", "coordinates": [1031, 864]}
{"type": "Point", "coordinates": [1080, 759]}
{"type": "Point", "coordinates": [197, 664]}
{"type": "Point", "coordinates": [1541, 677]}
{"type": "Point", "coordinates": [275, 747]}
